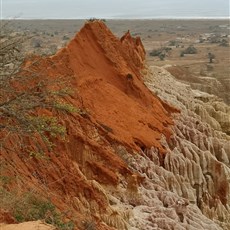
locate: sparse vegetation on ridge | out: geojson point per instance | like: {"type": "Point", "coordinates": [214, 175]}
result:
{"type": "Point", "coordinates": [25, 91]}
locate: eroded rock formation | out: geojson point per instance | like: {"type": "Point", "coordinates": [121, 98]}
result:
{"type": "Point", "coordinates": [135, 159]}
{"type": "Point", "coordinates": [205, 82]}
{"type": "Point", "coordinates": [198, 152]}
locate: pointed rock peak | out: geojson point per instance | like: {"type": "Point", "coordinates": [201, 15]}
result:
{"type": "Point", "coordinates": [96, 27]}
{"type": "Point", "coordinates": [135, 40]}
{"type": "Point", "coordinates": [106, 72]}
{"type": "Point", "coordinates": [126, 36]}
{"type": "Point", "coordinates": [135, 48]}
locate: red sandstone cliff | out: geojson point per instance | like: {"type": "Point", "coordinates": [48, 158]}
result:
{"type": "Point", "coordinates": [107, 77]}
{"type": "Point", "coordinates": [120, 165]}
{"type": "Point", "coordinates": [104, 73]}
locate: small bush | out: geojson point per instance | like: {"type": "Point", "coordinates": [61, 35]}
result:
{"type": "Point", "coordinates": [155, 52]}
{"type": "Point", "coordinates": [65, 37]}
{"type": "Point", "coordinates": [162, 56]}
{"type": "Point", "coordinates": [92, 19]}
{"type": "Point", "coordinates": [211, 56]}
{"type": "Point", "coordinates": [36, 43]}
{"type": "Point", "coordinates": [89, 225]}
{"type": "Point", "coordinates": [201, 40]}
{"type": "Point", "coordinates": [173, 43]}
{"type": "Point", "coordinates": [190, 50]}
{"type": "Point", "coordinates": [161, 53]}
{"type": "Point", "coordinates": [96, 19]}
{"type": "Point", "coordinates": [29, 207]}
{"type": "Point", "coordinates": [215, 39]}
{"type": "Point", "coordinates": [182, 54]}
{"type": "Point", "coordinates": [53, 49]}
{"type": "Point", "coordinates": [224, 43]}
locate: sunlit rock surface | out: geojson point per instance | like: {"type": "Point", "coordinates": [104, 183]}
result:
{"type": "Point", "coordinates": [198, 154]}
{"type": "Point", "coordinates": [136, 159]}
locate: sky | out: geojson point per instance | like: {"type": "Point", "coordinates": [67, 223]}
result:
{"type": "Point", "coordinates": [69, 9]}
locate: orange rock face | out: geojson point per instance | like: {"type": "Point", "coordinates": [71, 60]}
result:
{"type": "Point", "coordinates": [107, 83]}
{"type": "Point", "coordinates": [107, 76]}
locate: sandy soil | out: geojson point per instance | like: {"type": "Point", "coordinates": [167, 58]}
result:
{"type": "Point", "coordinates": [32, 225]}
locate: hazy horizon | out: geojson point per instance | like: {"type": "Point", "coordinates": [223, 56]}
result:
{"type": "Point", "coordinates": [129, 9]}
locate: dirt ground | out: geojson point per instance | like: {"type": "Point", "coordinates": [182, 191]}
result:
{"type": "Point", "coordinates": [32, 225]}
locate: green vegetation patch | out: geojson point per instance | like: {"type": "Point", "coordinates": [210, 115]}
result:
{"type": "Point", "coordinates": [30, 207]}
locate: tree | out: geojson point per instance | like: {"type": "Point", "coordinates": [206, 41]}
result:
{"type": "Point", "coordinates": [211, 56]}
{"type": "Point", "coordinates": [24, 90]}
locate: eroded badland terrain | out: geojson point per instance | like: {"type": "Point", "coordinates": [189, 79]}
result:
{"type": "Point", "coordinates": [116, 125]}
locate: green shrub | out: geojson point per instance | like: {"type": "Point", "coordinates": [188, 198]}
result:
{"type": "Point", "coordinates": [30, 207]}
{"type": "Point", "coordinates": [89, 225]}
{"type": "Point", "coordinates": [65, 37]}
{"type": "Point", "coordinates": [162, 56]}
{"type": "Point", "coordinates": [190, 50]}
{"type": "Point", "coordinates": [161, 52]}
{"type": "Point", "coordinates": [211, 56]}
{"type": "Point", "coordinates": [224, 43]}
{"type": "Point", "coordinates": [155, 52]}
{"type": "Point", "coordinates": [173, 43]}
